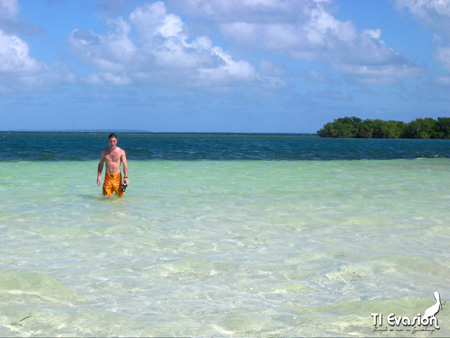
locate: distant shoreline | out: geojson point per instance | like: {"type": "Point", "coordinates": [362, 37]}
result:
{"type": "Point", "coordinates": [154, 132]}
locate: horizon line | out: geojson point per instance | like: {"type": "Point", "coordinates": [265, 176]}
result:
{"type": "Point", "coordinates": [148, 132]}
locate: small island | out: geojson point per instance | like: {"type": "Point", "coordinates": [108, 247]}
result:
{"type": "Point", "coordinates": [354, 127]}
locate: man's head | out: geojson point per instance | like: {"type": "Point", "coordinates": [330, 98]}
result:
{"type": "Point", "coordinates": [112, 140]}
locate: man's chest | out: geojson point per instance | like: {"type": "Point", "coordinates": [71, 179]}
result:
{"type": "Point", "coordinates": [113, 157]}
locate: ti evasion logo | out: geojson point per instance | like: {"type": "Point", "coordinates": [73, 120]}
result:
{"type": "Point", "coordinates": [425, 322]}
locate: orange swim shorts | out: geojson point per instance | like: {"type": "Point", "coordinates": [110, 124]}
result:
{"type": "Point", "coordinates": [113, 183]}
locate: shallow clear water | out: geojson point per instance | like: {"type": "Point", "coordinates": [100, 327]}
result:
{"type": "Point", "coordinates": [222, 248]}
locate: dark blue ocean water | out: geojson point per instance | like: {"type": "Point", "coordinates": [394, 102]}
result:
{"type": "Point", "coordinates": [54, 146]}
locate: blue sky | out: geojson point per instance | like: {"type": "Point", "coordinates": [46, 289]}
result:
{"type": "Point", "coordinates": [220, 65]}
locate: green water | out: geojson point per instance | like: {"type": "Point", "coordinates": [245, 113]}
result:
{"type": "Point", "coordinates": [223, 248]}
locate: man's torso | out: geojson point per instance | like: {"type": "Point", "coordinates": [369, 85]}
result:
{"type": "Point", "coordinates": [112, 160]}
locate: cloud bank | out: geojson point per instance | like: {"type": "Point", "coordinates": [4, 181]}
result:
{"type": "Point", "coordinates": [151, 47]}
{"type": "Point", "coordinates": [304, 30]}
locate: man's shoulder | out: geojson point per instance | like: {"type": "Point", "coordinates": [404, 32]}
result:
{"type": "Point", "coordinates": [123, 154]}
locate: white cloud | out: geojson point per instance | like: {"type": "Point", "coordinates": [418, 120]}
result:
{"type": "Point", "coordinates": [378, 74]}
{"type": "Point", "coordinates": [444, 80]}
{"type": "Point", "coordinates": [21, 72]}
{"type": "Point", "coordinates": [107, 53]}
{"type": "Point", "coordinates": [9, 9]}
{"type": "Point", "coordinates": [115, 79]}
{"type": "Point", "coordinates": [373, 33]}
{"type": "Point", "coordinates": [243, 10]}
{"type": "Point", "coordinates": [442, 55]}
{"type": "Point", "coordinates": [159, 52]}
{"type": "Point", "coordinates": [230, 69]}
{"type": "Point", "coordinates": [436, 14]}
{"type": "Point", "coordinates": [9, 22]}
{"type": "Point", "coordinates": [303, 30]}
{"type": "Point", "coordinates": [152, 20]}
{"type": "Point", "coordinates": [15, 57]}
{"type": "Point", "coordinates": [18, 69]}
{"type": "Point", "coordinates": [431, 12]}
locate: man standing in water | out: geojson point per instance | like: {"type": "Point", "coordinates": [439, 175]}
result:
{"type": "Point", "coordinates": [113, 156]}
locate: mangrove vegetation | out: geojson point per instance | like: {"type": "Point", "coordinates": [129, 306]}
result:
{"type": "Point", "coordinates": [354, 127]}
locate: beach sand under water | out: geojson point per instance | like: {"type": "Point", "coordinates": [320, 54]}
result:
{"type": "Point", "coordinates": [223, 248]}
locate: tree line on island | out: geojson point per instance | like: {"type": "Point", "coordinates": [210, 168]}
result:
{"type": "Point", "coordinates": [354, 127]}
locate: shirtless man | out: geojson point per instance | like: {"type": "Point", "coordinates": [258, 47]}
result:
{"type": "Point", "coordinates": [113, 156]}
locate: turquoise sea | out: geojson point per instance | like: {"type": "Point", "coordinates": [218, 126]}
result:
{"type": "Point", "coordinates": [223, 235]}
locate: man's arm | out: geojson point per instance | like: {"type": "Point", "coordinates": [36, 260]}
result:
{"type": "Point", "coordinates": [125, 167]}
{"type": "Point", "coordinates": [100, 169]}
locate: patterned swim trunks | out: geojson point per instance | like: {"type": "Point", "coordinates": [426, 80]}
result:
{"type": "Point", "coordinates": [113, 183]}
